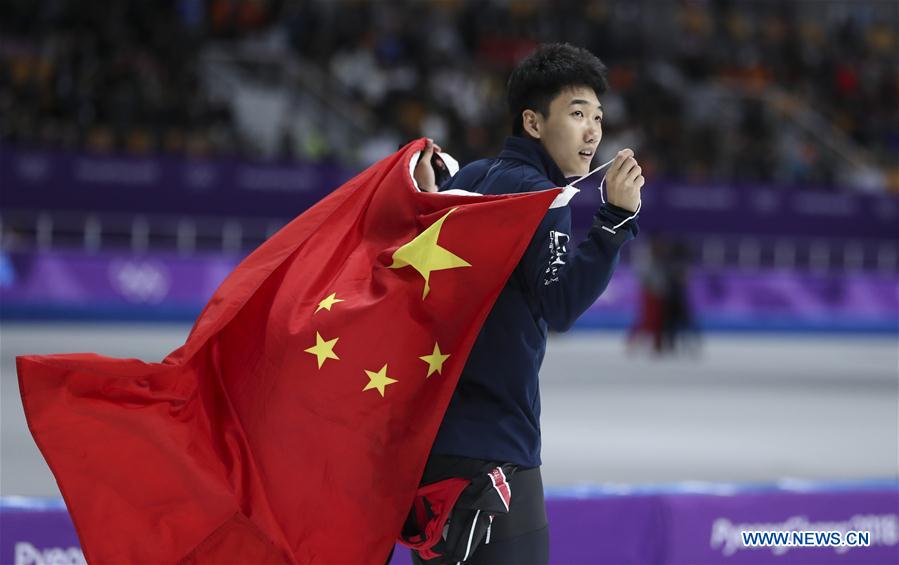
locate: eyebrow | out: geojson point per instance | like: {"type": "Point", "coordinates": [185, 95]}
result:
{"type": "Point", "coordinates": [585, 102]}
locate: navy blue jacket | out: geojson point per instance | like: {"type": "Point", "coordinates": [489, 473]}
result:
{"type": "Point", "coordinates": [494, 413]}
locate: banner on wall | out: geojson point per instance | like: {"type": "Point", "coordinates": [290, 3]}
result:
{"type": "Point", "coordinates": [672, 525]}
{"type": "Point", "coordinates": [70, 284]}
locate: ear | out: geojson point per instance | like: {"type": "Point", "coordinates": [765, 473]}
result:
{"type": "Point", "coordinates": [532, 123]}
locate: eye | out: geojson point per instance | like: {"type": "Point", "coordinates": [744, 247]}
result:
{"type": "Point", "coordinates": [578, 114]}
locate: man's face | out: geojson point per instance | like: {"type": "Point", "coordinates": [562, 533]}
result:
{"type": "Point", "coordinates": [572, 130]}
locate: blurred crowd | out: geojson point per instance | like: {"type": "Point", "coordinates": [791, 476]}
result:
{"type": "Point", "coordinates": [791, 93]}
{"type": "Point", "coordinates": [109, 76]}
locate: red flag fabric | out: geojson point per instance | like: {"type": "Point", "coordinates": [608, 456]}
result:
{"type": "Point", "coordinates": [294, 423]}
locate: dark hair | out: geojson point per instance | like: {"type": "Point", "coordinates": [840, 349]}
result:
{"type": "Point", "coordinates": [545, 73]}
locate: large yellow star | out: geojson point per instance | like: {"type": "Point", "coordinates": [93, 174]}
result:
{"type": "Point", "coordinates": [328, 302]}
{"type": "Point", "coordinates": [323, 349]}
{"type": "Point", "coordinates": [425, 256]}
{"type": "Point", "coordinates": [378, 380]}
{"type": "Point", "coordinates": [435, 360]}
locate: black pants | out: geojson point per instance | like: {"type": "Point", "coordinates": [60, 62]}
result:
{"type": "Point", "coordinates": [520, 537]}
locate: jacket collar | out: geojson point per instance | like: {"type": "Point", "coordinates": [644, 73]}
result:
{"type": "Point", "coordinates": [534, 154]}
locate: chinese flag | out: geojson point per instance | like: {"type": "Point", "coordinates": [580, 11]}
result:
{"type": "Point", "coordinates": [294, 423]}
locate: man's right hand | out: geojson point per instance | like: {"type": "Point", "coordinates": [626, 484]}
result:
{"type": "Point", "coordinates": [624, 181]}
{"type": "Point", "coordinates": [424, 171]}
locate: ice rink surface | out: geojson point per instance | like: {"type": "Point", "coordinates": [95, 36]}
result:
{"type": "Point", "coordinates": [748, 408]}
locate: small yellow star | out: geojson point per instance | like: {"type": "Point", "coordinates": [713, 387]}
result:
{"type": "Point", "coordinates": [323, 349]}
{"type": "Point", "coordinates": [378, 380]}
{"type": "Point", "coordinates": [425, 255]}
{"type": "Point", "coordinates": [328, 302]}
{"type": "Point", "coordinates": [435, 360]}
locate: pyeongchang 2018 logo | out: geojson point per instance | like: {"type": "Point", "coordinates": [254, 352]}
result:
{"type": "Point", "coordinates": [27, 554]}
{"type": "Point", "coordinates": [143, 282]}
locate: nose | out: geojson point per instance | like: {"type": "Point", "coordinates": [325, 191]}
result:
{"type": "Point", "coordinates": [593, 133]}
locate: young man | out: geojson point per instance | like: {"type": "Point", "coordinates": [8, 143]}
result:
{"type": "Point", "coordinates": [494, 415]}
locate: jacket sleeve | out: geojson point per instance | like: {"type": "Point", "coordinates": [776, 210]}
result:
{"type": "Point", "coordinates": [565, 281]}
{"type": "Point", "coordinates": [467, 177]}
{"type": "Point", "coordinates": [448, 183]}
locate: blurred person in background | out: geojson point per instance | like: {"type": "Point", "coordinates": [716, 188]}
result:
{"type": "Point", "coordinates": [665, 319]}
{"type": "Point", "coordinates": [650, 321]}
{"type": "Point", "coordinates": [679, 330]}
{"type": "Point", "coordinates": [494, 415]}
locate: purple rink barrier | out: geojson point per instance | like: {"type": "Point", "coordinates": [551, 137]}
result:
{"type": "Point", "coordinates": [37, 531]}
{"type": "Point", "coordinates": [111, 282]}
{"type": "Point", "coordinates": [770, 299]}
{"type": "Point", "coordinates": [158, 285]}
{"type": "Point", "coordinates": [706, 528]}
{"type": "Point", "coordinates": [675, 524]}
{"type": "Point", "coordinates": [37, 179]}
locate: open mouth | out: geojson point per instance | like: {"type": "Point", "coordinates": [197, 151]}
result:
{"type": "Point", "coordinates": [586, 154]}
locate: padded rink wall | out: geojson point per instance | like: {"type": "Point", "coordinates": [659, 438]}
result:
{"type": "Point", "coordinates": [688, 523]}
{"type": "Point", "coordinates": [73, 285]}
